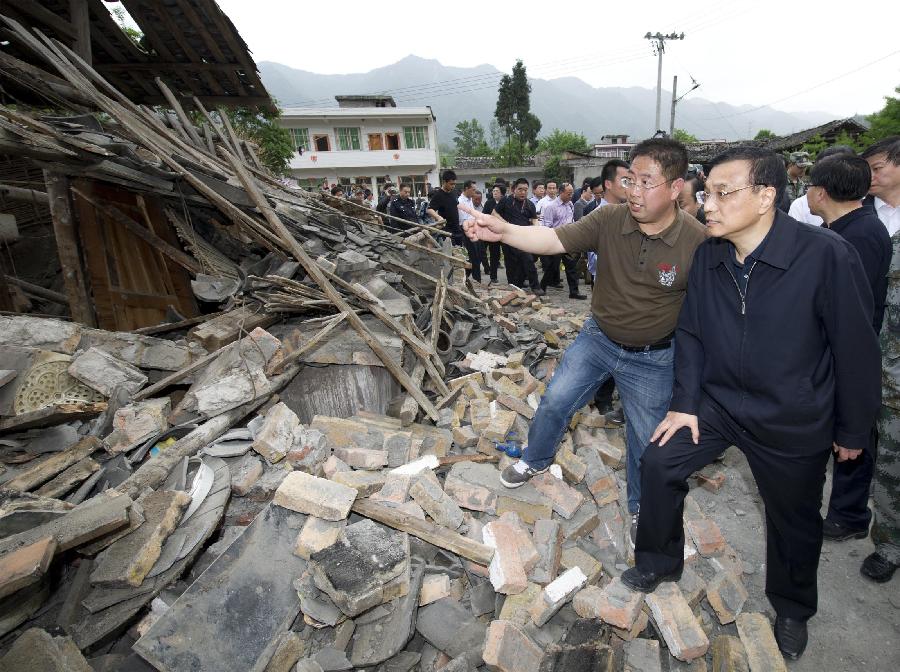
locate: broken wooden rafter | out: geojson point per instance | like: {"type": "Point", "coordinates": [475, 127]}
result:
{"type": "Point", "coordinates": [317, 274]}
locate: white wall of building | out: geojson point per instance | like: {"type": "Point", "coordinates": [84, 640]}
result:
{"type": "Point", "coordinates": [364, 164]}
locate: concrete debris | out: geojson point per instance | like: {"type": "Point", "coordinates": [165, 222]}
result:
{"type": "Point", "coordinates": [353, 399]}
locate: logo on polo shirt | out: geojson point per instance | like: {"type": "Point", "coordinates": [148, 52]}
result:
{"type": "Point", "coordinates": [667, 274]}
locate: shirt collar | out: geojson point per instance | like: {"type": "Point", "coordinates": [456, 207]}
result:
{"type": "Point", "coordinates": [778, 247]}
{"type": "Point", "coordinates": [880, 203]}
{"type": "Point", "coordinates": [669, 235]}
{"type": "Point", "coordinates": [841, 223]}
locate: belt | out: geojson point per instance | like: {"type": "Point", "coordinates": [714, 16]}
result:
{"type": "Point", "coordinates": [645, 348]}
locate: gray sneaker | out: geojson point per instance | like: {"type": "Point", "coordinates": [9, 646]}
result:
{"type": "Point", "coordinates": [519, 474]}
{"type": "Point", "coordinates": [632, 533]}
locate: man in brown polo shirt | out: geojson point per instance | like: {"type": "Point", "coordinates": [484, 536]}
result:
{"type": "Point", "coordinates": [644, 250]}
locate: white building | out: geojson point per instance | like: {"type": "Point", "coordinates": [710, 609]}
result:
{"type": "Point", "coordinates": [364, 140]}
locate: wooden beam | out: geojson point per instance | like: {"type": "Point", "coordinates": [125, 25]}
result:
{"type": "Point", "coordinates": [292, 357]}
{"type": "Point", "coordinates": [52, 415]}
{"type": "Point", "coordinates": [68, 249]}
{"type": "Point", "coordinates": [38, 12]}
{"type": "Point", "coordinates": [38, 291]}
{"type": "Point", "coordinates": [186, 66]}
{"type": "Point", "coordinates": [173, 326]}
{"type": "Point", "coordinates": [144, 234]}
{"type": "Point", "coordinates": [178, 376]}
{"type": "Point", "coordinates": [316, 273]}
{"type": "Point", "coordinates": [20, 194]}
{"type": "Point", "coordinates": [232, 136]}
{"type": "Point", "coordinates": [424, 276]}
{"type": "Point", "coordinates": [80, 17]}
{"type": "Point", "coordinates": [441, 537]}
{"type": "Point", "coordinates": [179, 111]}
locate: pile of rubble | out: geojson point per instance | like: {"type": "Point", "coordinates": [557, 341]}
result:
{"type": "Point", "coordinates": [307, 477]}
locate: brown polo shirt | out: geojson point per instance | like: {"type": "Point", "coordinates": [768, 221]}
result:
{"type": "Point", "coordinates": [641, 279]}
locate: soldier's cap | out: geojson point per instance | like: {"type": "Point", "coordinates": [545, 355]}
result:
{"type": "Point", "coordinates": [800, 158]}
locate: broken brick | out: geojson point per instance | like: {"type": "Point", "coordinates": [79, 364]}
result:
{"type": "Point", "coordinates": [363, 458]}
{"type": "Point", "coordinates": [573, 467]}
{"type": "Point", "coordinates": [427, 493]}
{"type": "Point", "coordinates": [528, 552]}
{"type": "Point", "coordinates": [26, 565]}
{"type": "Point", "coordinates": [516, 404]}
{"type": "Point", "coordinates": [245, 474]}
{"type": "Point", "coordinates": [499, 426]}
{"type": "Point", "coordinates": [564, 499]}
{"type": "Point", "coordinates": [726, 594]}
{"type": "Point", "coordinates": [464, 436]}
{"type": "Point", "coordinates": [759, 643]}
{"type": "Point", "coordinates": [364, 482]}
{"type": "Point", "coordinates": [548, 542]}
{"type": "Point", "coordinates": [507, 573]}
{"type": "Point", "coordinates": [434, 587]}
{"type": "Point", "coordinates": [276, 437]}
{"type": "Point", "coordinates": [480, 414]}
{"type": "Point", "coordinates": [706, 535]}
{"type": "Point", "coordinates": [575, 557]}
{"type": "Point", "coordinates": [315, 496]}
{"type": "Point", "coordinates": [642, 655]}
{"type": "Point", "coordinates": [617, 605]}
{"type": "Point", "coordinates": [316, 534]}
{"type": "Point", "coordinates": [333, 465]}
{"type": "Point", "coordinates": [728, 655]}
{"type": "Point", "coordinates": [676, 622]}
{"type": "Point", "coordinates": [507, 648]}
{"type": "Point", "coordinates": [556, 594]}
{"type": "Point", "coordinates": [472, 486]}
{"type": "Point", "coordinates": [515, 607]}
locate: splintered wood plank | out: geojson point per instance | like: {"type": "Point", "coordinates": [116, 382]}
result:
{"type": "Point", "coordinates": [54, 414]}
{"type": "Point", "coordinates": [246, 599]}
{"type": "Point", "coordinates": [441, 537]}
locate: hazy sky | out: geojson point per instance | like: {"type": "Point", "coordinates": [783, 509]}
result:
{"type": "Point", "coordinates": [757, 52]}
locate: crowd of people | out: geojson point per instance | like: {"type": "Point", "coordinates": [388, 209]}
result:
{"type": "Point", "coordinates": [752, 302]}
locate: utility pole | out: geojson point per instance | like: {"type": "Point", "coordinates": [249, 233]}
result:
{"type": "Point", "coordinates": [675, 101]}
{"type": "Point", "coordinates": [659, 48]}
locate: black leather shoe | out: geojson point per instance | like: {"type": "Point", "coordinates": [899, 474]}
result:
{"type": "Point", "coordinates": [643, 581]}
{"type": "Point", "coordinates": [878, 568]}
{"type": "Point", "coordinates": [537, 291]}
{"type": "Point", "coordinates": [835, 531]}
{"type": "Point", "coordinates": [576, 295]}
{"type": "Point", "coordinates": [791, 636]}
{"type": "Point", "coordinates": [616, 418]}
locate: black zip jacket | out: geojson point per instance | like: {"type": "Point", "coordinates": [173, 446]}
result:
{"type": "Point", "coordinates": [794, 360]}
{"type": "Point", "coordinates": [405, 209]}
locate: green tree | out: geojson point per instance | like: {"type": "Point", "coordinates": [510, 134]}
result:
{"type": "Point", "coordinates": [817, 143]}
{"type": "Point", "coordinates": [886, 121]}
{"type": "Point", "coordinates": [684, 137]}
{"type": "Point", "coordinates": [496, 135]}
{"type": "Point", "coordinates": [555, 145]}
{"type": "Point", "coordinates": [260, 125]}
{"type": "Point", "coordinates": [448, 155]}
{"type": "Point", "coordinates": [765, 134]}
{"type": "Point", "coordinates": [467, 136]}
{"type": "Point", "coordinates": [513, 112]}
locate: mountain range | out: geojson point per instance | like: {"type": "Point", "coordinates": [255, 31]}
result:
{"type": "Point", "coordinates": [456, 94]}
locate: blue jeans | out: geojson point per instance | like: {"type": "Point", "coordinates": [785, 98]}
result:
{"type": "Point", "coordinates": [644, 380]}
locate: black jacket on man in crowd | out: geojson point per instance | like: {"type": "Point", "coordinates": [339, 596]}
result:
{"type": "Point", "coordinates": [807, 289]}
{"type": "Point", "coordinates": [404, 208]}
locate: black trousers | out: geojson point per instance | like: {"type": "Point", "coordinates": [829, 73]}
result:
{"type": "Point", "coordinates": [791, 489]}
{"type": "Point", "coordinates": [551, 271]}
{"type": "Point", "coordinates": [850, 484]}
{"type": "Point", "coordinates": [520, 267]}
{"type": "Point", "coordinates": [490, 256]}
{"type": "Point", "coordinates": [474, 251]}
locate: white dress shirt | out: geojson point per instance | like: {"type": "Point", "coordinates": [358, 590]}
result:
{"type": "Point", "coordinates": [800, 211]}
{"type": "Point", "coordinates": [889, 216]}
{"type": "Point", "coordinates": [462, 200]}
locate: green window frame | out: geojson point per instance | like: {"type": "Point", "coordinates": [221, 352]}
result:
{"type": "Point", "coordinates": [299, 138]}
{"type": "Point", "coordinates": [415, 137]}
{"type": "Point", "coordinates": [348, 138]}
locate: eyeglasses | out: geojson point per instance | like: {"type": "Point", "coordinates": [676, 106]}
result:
{"type": "Point", "coordinates": [629, 183]}
{"type": "Point", "coordinates": [708, 196]}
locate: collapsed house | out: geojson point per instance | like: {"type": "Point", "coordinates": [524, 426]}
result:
{"type": "Point", "coordinates": [270, 434]}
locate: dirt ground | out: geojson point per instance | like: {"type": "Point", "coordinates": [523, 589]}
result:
{"type": "Point", "coordinates": [858, 623]}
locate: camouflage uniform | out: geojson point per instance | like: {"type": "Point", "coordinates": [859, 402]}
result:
{"type": "Point", "coordinates": [886, 530]}
{"type": "Point", "coordinates": [797, 189]}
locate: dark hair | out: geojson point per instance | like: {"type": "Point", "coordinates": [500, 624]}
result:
{"type": "Point", "coordinates": [521, 180]}
{"type": "Point", "coordinates": [367, 192]}
{"type": "Point", "coordinates": [448, 175]}
{"type": "Point", "coordinates": [468, 183]}
{"type": "Point", "coordinates": [336, 189]}
{"type": "Point", "coordinates": [499, 181]}
{"type": "Point", "coordinates": [669, 154]}
{"type": "Point", "coordinates": [597, 182]}
{"type": "Point", "coordinates": [844, 177]}
{"type": "Point", "coordinates": [536, 184]}
{"type": "Point", "coordinates": [609, 171]}
{"type": "Point", "coordinates": [697, 184]}
{"type": "Point", "coordinates": [553, 182]}
{"type": "Point", "coordinates": [501, 187]}
{"type": "Point", "coordinates": [563, 185]}
{"type": "Point", "coordinates": [889, 146]}
{"type": "Point", "coordinates": [586, 181]}
{"type": "Point", "coordinates": [834, 150]}
{"type": "Point", "coordinates": [766, 167]}
{"type": "Point", "coordinates": [407, 185]}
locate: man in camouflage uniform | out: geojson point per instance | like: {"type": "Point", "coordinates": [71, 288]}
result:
{"type": "Point", "coordinates": [797, 163]}
{"type": "Point", "coordinates": [884, 158]}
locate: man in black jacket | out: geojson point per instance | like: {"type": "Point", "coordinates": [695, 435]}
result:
{"type": "Point", "coordinates": [836, 187]}
{"type": "Point", "coordinates": [403, 207]}
{"type": "Point", "coordinates": [775, 354]}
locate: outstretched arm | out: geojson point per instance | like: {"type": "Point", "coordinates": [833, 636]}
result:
{"type": "Point", "coordinates": [490, 228]}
